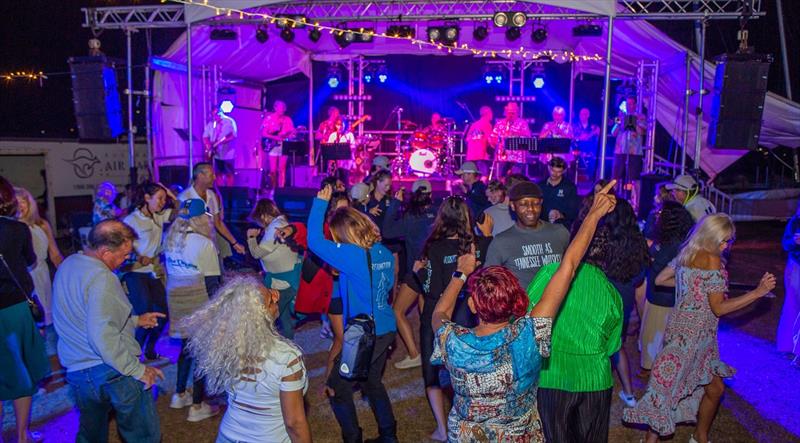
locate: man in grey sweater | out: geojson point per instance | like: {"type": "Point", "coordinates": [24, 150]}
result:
{"type": "Point", "coordinates": [95, 326]}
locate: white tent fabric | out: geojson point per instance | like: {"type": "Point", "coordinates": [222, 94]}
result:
{"type": "Point", "coordinates": [633, 41]}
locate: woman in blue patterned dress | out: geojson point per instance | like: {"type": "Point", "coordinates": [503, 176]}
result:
{"type": "Point", "coordinates": [494, 367]}
{"type": "Point", "coordinates": [686, 381]}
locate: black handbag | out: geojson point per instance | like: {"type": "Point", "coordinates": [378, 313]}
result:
{"type": "Point", "coordinates": [359, 339]}
{"type": "Point", "coordinates": [37, 311]}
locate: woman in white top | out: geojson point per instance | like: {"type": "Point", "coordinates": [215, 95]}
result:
{"type": "Point", "coordinates": [281, 264]}
{"type": "Point", "coordinates": [44, 245]}
{"type": "Point", "coordinates": [190, 257]}
{"type": "Point", "coordinates": [235, 344]}
{"type": "Point", "coordinates": [145, 290]}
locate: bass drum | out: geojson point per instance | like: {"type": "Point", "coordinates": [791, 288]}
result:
{"type": "Point", "coordinates": [423, 162]}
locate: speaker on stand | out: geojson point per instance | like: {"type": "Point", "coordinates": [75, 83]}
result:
{"type": "Point", "coordinates": [95, 95]}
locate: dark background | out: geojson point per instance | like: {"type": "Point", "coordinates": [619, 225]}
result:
{"type": "Point", "coordinates": [41, 35]}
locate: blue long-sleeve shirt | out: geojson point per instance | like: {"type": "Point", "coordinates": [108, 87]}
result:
{"type": "Point", "coordinates": [362, 296]}
{"type": "Point", "coordinates": [788, 239]}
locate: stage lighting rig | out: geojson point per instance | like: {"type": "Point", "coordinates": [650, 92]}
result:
{"type": "Point", "coordinates": [480, 33]}
{"type": "Point", "coordinates": [434, 33]}
{"type": "Point", "coordinates": [226, 106]}
{"type": "Point", "coordinates": [538, 81]}
{"type": "Point", "coordinates": [539, 35]}
{"type": "Point", "coordinates": [447, 35]}
{"type": "Point", "coordinates": [383, 74]}
{"type": "Point", "coordinates": [492, 74]}
{"type": "Point", "coordinates": [334, 77]}
{"type": "Point", "coordinates": [314, 34]}
{"type": "Point", "coordinates": [261, 35]}
{"type": "Point", "coordinates": [518, 19]}
{"type": "Point", "coordinates": [223, 34]}
{"type": "Point", "coordinates": [287, 34]}
{"type": "Point", "coordinates": [513, 34]}
{"type": "Point", "coordinates": [501, 19]}
{"type": "Point", "coordinates": [290, 21]}
{"type": "Point", "coordinates": [403, 31]}
{"type": "Point", "coordinates": [514, 19]}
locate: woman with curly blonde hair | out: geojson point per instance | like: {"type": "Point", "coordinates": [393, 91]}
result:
{"type": "Point", "coordinates": [239, 351]}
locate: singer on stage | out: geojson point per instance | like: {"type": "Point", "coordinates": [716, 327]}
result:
{"type": "Point", "coordinates": [478, 148]}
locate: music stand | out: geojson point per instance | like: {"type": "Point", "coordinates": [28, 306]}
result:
{"type": "Point", "coordinates": [554, 145]}
{"type": "Point", "coordinates": [294, 149]}
{"type": "Point", "coordinates": [335, 151]}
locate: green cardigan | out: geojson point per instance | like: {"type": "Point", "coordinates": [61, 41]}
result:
{"type": "Point", "coordinates": [587, 331]}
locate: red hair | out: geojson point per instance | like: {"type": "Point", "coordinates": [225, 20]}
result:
{"type": "Point", "coordinates": [497, 295]}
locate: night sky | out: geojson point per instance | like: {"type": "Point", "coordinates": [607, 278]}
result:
{"type": "Point", "coordinates": [41, 35]}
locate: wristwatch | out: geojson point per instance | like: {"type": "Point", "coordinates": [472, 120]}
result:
{"type": "Point", "coordinates": [460, 275]}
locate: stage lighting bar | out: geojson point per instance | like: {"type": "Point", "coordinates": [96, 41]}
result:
{"type": "Point", "coordinates": [287, 34]}
{"type": "Point", "coordinates": [354, 98]}
{"type": "Point", "coordinates": [515, 19]}
{"type": "Point", "coordinates": [539, 35]}
{"type": "Point", "coordinates": [404, 31]}
{"type": "Point", "coordinates": [223, 34]}
{"type": "Point", "coordinates": [480, 33]}
{"type": "Point", "coordinates": [587, 30]}
{"type": "Point", "coordinates": [261, 35]}
{"type": "Point", "coordinates": [447, 35]}
{"type": "Point", "coordinates": [512, 98]}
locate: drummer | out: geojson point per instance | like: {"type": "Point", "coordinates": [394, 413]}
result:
{"type": "Point", "coordinates": [478, 140]}
{"type": "Point", "coordinates": [437, 125]}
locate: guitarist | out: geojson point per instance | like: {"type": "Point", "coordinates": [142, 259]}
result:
{"type": "Point", "coordinates": [275, 128]}
{"type": "Point", "coordinates": [478, 148]}
{"type": "Point", "coordinates": [333, 130]}
{"type": "Point", "coordinates": [218, 137]}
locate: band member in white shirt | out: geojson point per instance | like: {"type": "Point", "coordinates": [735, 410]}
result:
{"type": "Point", "coordinates": [558, 127]}
{"type": "Point", "coordinates": [629, 129]}
{"type": "Point", "coordinates": [275, 128]}
{"type": "Point", "coordinates": [218, 137]}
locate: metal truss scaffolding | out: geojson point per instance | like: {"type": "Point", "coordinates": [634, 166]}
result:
{"type": "Point", "coordinates": [172, 16]}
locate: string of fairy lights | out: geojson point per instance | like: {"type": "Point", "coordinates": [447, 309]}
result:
{"type": "Point", "coordinates": [521, 53]}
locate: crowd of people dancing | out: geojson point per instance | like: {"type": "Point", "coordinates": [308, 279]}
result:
{"type": "Point", "coordinates": [525, 293]}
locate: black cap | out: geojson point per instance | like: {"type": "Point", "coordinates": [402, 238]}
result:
{"type": "Point", "coordinates": [524, 189]}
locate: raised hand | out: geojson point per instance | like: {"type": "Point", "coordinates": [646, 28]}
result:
{"type": "Point", "coordinates": [604, 202]}
{"type": "Point", "coordinates": [487, 225]}
{"type": "Point", "coordinates": [767, 284]}
{"type": "Point", "coordinates": [325, 193]}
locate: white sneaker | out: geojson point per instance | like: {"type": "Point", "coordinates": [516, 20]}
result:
{"type": "Point", "coordinates": [180, 401]}
{"type": "Point", "coordinates": [202, 412]}
{"type": "Point", "coordinates": [692, 440]}
{"type": "Point", "coordinates": [408, 363]}
{"type": "Point", "coordinates": [629, 400]}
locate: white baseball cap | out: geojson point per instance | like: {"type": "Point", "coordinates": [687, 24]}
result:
{"type": "Point", "coordinates": [682, 183]}
{"type": "Point", "coordinates": [468, 167]}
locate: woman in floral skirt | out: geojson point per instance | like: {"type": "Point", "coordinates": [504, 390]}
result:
{"type": "Point", "coordinates": [686, 381]}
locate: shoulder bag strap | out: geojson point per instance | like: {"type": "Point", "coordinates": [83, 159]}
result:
{"type": "Point", "coordinates": [371, 295]}
{"type": "Point", "coordinates": [13, 277]}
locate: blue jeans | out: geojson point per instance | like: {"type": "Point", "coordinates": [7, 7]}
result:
{"type": "Point", "coordinates": [147, 294]}
{"type": "Point", "coordinates": [99, 390]}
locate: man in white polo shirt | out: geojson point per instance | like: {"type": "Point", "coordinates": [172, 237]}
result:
{"type": "Point", "coordinates": [686, 191]}
{"type": "Point", "coordinates": [202, 188]}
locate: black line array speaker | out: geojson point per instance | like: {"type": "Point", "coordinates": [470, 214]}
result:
{"type": "Point", "coordinates": [740, 86]}
{"type": "Point", "coordinates": [95, 95]}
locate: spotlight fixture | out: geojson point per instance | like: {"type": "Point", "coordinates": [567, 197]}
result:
{"type": "Point", "coordinates": [223, 34]}
{"type": "Point", "coordinates": [334, 77]}
{"type": "Point", "coordinates": [447, 35]}
{"type": "Point", "coordinates": [383, 74]}
{"type": "Point", "coordinates": [513, 34]}
{"type": "Point", "coordinates": [434, 33]}
{"type": "Point", "coordinates": [344, 38]}
{"type": "Point", "coordinates": [500, 19]}
{"type": "Point", "coordinates": [538, 81]}
{"type": "Point", "coordinates": [290, 21]}
{"type": "Point", "coordinates": [480, 33]}
{"type": "Point", "coordinates": [287, 34]}
{"type": "Point", "coordinates": [587, 30]}
{"type": "Point", "coordinates": [314, 35]}
{"type": "Point", "coordinates": [261, 35]}
{"type": "Point", "coordinates": [491, 74]}
{"type": "Point", "coordinates": [539, 35]}
{"type": "Point", "coordinates": [403, 31]}
{"type": "Point", "coordinates": [226, 106]}
{"type": "Point", "coordinates": [367, 77]}
{"type": "Point", "coordinates": [365, 35]}
{"type": "Point", "coordinates": [518, 19]}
